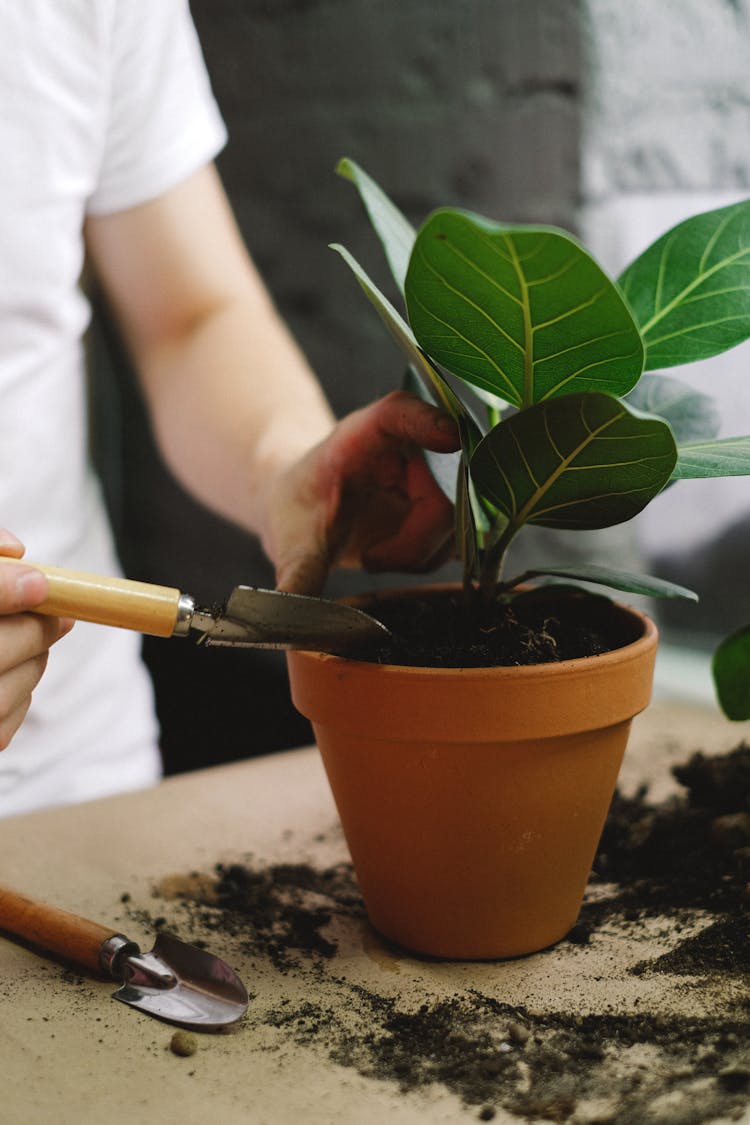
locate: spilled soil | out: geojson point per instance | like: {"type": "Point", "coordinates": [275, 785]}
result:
{"type": "Point", "coordinates": [686, 858]}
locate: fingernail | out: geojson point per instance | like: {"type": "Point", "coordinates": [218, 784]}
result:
{"type": "Point", "coordinates": [31, 587]}
{"type": "Point", "coordinates": [9, 541]}
{"type": "Point", "coordinates": [445, 423]}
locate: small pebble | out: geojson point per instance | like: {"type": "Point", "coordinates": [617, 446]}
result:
{"type": "Point", "coordinates": [518, 1033]}
{"type": "Point", "coordinates": [183, 1043]}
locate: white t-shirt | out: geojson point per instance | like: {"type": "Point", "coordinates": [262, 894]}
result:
{"type": "Point", "coordinates": [104, 104]}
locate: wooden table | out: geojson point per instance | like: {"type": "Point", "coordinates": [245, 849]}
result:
{"type": "Point", "coordinates": [367, 1034]}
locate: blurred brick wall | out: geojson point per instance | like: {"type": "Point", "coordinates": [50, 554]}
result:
{"type": "Point", "coordinates": [666, 96]}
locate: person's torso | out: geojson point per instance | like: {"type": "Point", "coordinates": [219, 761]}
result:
{"type": "Point", "coordinates": [53, 116]}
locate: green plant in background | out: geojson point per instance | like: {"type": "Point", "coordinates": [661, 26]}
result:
{"type": "Point", "coordinates": [546, 364]}
{"type": "Point", "coordinates": [731, 672]}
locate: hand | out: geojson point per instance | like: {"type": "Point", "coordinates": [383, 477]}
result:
{"type": "Point", "coordinates": [364, 497]}
{"type": "Point", "coordinates": [25, 639]}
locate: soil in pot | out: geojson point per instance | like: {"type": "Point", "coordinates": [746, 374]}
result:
{"type": "Point", "coordinates": [437, 628]}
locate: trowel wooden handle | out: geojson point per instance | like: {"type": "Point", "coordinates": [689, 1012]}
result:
{"type": "Point", "coordinates": [106, 601]}
{"type": "Point", "coordinates": [54, 930]}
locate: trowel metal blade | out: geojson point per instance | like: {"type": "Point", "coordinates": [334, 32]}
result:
{"type": "Point", "coordinates": [184, 985]}
{"type": "Point", "coordinates": [275, 619]}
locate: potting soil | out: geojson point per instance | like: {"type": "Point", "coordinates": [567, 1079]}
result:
{"type": "Point", "coordinates": [544, 625]}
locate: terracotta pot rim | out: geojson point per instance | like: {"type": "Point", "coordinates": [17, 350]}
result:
{"type": "Point", "coordinates": [582, 664]}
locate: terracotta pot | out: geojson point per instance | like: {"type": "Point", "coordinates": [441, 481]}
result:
{"type": "Point", "coordinates": [473, 800]}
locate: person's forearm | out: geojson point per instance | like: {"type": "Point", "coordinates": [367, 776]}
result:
{"type": "Point", "coordinates": [226, 437]}
{"type": "Point", "coordinates": [231, 397]}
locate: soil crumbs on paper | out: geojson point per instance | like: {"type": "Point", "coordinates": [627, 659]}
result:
{"type": "Point", "coordinates": [691, 853]}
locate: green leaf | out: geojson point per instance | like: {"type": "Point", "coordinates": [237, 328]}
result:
{"type": "Point", "coordinates": [404, 338]}
{"type": "Point", "coordinates": [579, 461]}
{"type": "Point", "coordinates": [692, 414]}
{"type": "Point", "coordinates": [443, 466]}
{"type": "Point", "coordinates": [731, 674]}
{"type": "Point", "coordinates": [451, 471]}
{"type": "Point", "coordinates": [394, 231]}
{"type": "Point", "coordinates": [727, 457]}
{"type": "Point", "coordinates": [467, 537]}
{"type": "Point", "coordinates": [522, 312]}
{"type": "Point", "coordinates": [690, 290]}
{"type": "Point", "coordinates": [616, 579]}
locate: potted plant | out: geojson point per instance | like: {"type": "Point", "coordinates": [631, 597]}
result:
{"type": "Point", "coordinates": [473, 794]}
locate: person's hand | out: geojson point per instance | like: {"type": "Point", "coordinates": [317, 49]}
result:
{"type": "Point", "coordinates": [364, 497]}
{"type": "Point", "coordinates": [25, 638]}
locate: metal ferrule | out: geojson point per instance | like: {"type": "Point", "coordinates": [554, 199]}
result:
{"type": "Point", "coordinates": [185, 611]}
{"type": "Point", "coordinates": [113, 950]}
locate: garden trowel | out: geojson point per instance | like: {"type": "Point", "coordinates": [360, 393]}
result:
{"type": "Point", "coordinates": [174, 982]}
{"type": "Point", "coordinates": [251, 617]}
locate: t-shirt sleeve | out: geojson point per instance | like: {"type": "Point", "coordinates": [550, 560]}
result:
{"type": "Point", "coordinates": [163, 122]}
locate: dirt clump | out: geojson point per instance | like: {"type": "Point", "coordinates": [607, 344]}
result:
{"type": "Point", "coordinates": [686, 854]}
{"type": "Point", "coordinates": [280, 911]}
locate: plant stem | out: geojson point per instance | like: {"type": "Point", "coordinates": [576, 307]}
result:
{"type": "Point", "coordinates": [492, 563]}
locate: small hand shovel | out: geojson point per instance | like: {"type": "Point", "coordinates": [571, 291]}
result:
{"type": "Point", "coordinates": [175, 982]}
{"type": "Point", "coordinates": [251, 618]}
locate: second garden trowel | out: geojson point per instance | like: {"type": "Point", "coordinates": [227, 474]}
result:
{"type": "Point", "coordinates": [251, 617]}
{"type": "Point", "coordinates": [176, 982]}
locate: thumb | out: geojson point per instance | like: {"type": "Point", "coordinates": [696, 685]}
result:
{"type": "Point", "coordinates": [403, 416]}
{"type": "Point", "coordinates": [10, 545]}
{"type": "Point", "coordinates": [303, 573]}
